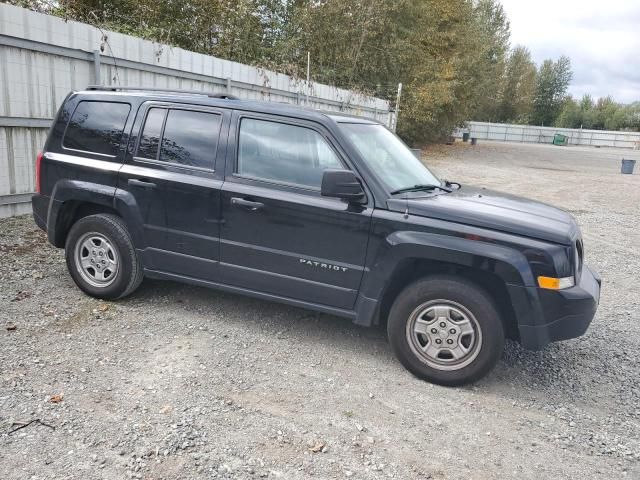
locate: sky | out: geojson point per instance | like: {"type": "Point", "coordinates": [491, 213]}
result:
{"type": "Point", "coordinates": [602, 39]}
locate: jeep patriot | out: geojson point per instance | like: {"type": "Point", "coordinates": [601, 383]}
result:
{"type": "Point", "coordinates": [314, 209]}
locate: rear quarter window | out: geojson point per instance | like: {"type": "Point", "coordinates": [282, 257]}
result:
{"type": "Point", "coordinates": [96, 127]}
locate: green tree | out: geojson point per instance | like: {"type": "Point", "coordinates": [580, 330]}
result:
{"type": "Point", "coordinates": [604, 114]}
{"type": "Point", "coordinates": [441, 80]}
{"type": "Point", "coordinates": [633, 116]}
{"type": "Point", "coordinates": [570, 114]}
{"type": "Point", "coordinates": [516, 103]}
{"type": "Point", "coordinates": [552, 83]}
{"type": "Point", "coordinates": [491, 37]}
{"type": "Point", "coordinates": [356, 44]}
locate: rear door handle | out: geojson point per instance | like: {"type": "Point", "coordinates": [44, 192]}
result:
{"type": "Point", "coordinates": [248, 204]}
{"type": "Point", "coordinates": [141, 183]}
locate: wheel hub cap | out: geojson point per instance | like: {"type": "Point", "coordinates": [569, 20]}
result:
{"type": "Point", "coordinates": [96, 259]}
{"type": "Point", "coordinates": [444, 335]}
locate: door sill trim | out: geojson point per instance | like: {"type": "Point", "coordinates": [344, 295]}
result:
{"type": "Point", "coordinates": [339, 312]}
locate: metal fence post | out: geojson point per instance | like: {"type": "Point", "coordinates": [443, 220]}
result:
{"type": "Point", "coordinates": [96, 67]}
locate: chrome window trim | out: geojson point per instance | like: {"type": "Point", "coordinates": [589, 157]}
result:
{"type": "Point", "coordinates": [83, 161]}
{"type": "Point", "coordinates": [164, 163]}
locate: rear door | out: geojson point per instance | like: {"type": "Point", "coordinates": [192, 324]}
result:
{"type": "Point", "coordinates": [172, 172]}
{"type": "Point", "coordinates": [280, 236]}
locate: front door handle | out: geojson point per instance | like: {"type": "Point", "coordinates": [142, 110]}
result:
{"type": "Point", "coordinates": [248, 204]}
{"type": "Point", "coordinates": [141, 183]}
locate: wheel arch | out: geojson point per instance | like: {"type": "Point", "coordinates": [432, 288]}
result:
{"type": "Point", "coordinates": [413, 269]}
{"type": "Point", "coordinates": [414, 255]}
{"type": "Point", "coordinates": [73, 200]}
{"type": "Point", "coordinates": [70, 212]}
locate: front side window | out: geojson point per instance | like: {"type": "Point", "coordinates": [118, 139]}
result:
{"type": "Point", "coordinates": [188, 138]}
{"type": "Point", "coordinates": [389, 158]}
{"type": "Point", "coordinates": [284, 153]}
{"type": "Point", "coordinates": [96, 127]}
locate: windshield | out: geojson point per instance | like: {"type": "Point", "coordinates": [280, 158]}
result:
{"type": "Point", "coordinates": [388, 157]}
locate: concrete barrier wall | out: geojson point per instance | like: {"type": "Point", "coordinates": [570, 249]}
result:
{"type": "Point", "coordinates": [502, 132]}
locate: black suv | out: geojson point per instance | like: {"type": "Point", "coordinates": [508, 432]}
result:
{"type": "Point", "coordinates": [319, 210]}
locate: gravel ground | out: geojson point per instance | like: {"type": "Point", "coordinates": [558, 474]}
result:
{"type": "Point", "coordinates": [182, 382]}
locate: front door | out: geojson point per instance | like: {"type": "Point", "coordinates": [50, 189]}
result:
{"type": "Point", "coordinates": [279, 235]}
{"type": "Point", "coordinates": [171, 172]}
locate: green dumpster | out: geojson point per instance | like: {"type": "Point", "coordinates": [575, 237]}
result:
{"type": "Point", "coordinates": [559, 139]}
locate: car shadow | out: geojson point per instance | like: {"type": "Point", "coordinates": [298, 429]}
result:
{"type": "Point", "coordinates": [557, 371]}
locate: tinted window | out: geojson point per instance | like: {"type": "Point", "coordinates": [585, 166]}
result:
{"type": "Point", "coordinates": [96, 127]}
{"type": "Point", "coordinates": [190, 138]}
{"type": "Point", "coordinates": [285, 153]}
{"type": "Point", "coordinates": [150, 138]}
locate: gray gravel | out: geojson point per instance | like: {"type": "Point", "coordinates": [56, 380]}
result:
{"type": "Point", "coordinates": [182, 382]}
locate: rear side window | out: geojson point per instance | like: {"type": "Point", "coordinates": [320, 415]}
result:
{"type": "Point", "coordinates": [150, 138]}
{"type": "Point", "coordinates": [280, 152]}
{"type": "Point", "coordinates": [96, 127]}
{"type": "Point", "coordinates": [182, 137]}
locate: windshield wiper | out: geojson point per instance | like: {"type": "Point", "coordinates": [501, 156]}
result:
{"type": "Point", "coordinates": [420, 188]}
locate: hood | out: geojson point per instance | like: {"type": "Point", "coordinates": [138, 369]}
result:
{"type": "Point", "coordinates": [494, 210]}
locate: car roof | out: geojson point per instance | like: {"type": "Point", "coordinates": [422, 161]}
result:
{"type": "Point", "coordinates": [226, 101]}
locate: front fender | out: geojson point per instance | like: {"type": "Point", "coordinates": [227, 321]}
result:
{"type": "Point", "coordinates": [509, 264]}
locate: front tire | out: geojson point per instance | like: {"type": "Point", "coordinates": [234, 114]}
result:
{"type": "Point", "coordinates": [446, 330]}
{"type": "Point", "coordinates": [101, 257]}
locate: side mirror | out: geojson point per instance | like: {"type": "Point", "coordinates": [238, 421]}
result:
{"type": "Point", "coordinates": [342, 184]}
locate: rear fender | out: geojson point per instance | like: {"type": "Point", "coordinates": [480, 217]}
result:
{"type": "Point", "coordinates": [66, 195]}
{"type": "Point", "coordinates": [70, 193]}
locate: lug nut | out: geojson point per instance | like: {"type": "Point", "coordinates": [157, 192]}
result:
{"type": "Point", "coordinates": [452, 331]}
{"type": "Point", "coordinates": [450, 342]}
{"type": "Point", "coordinates": [442, 324]}
{"type": "Point", "coordinates": [434, 330]}
{"type": "Point", "coordinates": [438, 341]}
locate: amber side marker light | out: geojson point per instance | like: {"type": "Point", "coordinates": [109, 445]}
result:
{"type": "Point", "coordinates": [551, 283]}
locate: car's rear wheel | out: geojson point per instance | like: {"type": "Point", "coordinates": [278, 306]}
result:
{"type": "Point", "coordinates": [446, 330]}
{"type": "Point", "coordinates": [101, 257]}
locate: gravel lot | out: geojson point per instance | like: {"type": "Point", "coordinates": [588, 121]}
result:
{"type": "Point", "coordinates": [182, 382]}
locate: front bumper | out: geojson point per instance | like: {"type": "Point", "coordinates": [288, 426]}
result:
{"type": "Point", "coordinates": [561, 314]}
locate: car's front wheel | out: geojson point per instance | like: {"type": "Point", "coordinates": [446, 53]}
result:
{"type": "Point", "coordinates": [101, 257]}
{"type": "Point", "coordinates": [446, 330]}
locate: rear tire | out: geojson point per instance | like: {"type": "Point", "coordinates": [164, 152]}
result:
{"type": "Point", "coordinates": [101, 257]}
{"type": "Point", "coordinates": [446, 330]}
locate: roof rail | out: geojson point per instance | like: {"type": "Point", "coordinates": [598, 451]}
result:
{"type": "Point", "coordinates": [109, 88]}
